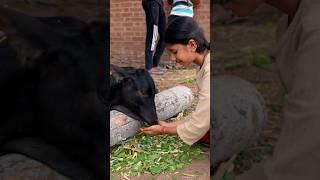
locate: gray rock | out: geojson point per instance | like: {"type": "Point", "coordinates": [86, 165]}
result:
{"type": "Point", "coordinates": [238, 115]}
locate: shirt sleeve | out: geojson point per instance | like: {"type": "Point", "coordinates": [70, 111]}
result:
{"type": "Point", "coordinates": [198, 123]}
{"type": "Point", "coordinates": [303, 98]}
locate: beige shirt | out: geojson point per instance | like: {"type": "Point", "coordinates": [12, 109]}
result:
{"type": "Point", "coordinates": [197, 124]}
{"type": "Point", "coordinates": [297, 56]}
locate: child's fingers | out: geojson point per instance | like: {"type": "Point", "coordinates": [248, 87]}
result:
{"type": "Point", "coordinates": [143, 130]}
{"type": "Point", "coordinates": [146, 131]}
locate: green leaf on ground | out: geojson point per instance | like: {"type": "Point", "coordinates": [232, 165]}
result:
{"type": "Point", "coordinates": [155, 154]}
{"type": "Point", "coordinates": [188, 81]}
{"type": "Point", "coordinates": [228, 176]}
{"type": "Point", "coordinates": [259, 60]}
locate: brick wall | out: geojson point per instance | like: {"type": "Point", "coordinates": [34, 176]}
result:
{"type": "Point", "coordinates": [127, 28]}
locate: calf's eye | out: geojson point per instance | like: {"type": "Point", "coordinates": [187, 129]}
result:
{"type": "Point", "coordinates": [143, 92]}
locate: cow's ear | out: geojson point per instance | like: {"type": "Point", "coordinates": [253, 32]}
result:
{"type": "Point", "coordinates": [117, 78]}
{"type": "Point", "coordinates": [143, 72]}
{"type": "Point", "coordinates": [27, 35]}
{"type": "Point", "coordinates": [119, 71]}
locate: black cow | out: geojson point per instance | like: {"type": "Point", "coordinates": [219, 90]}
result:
{"type": "Point", "coordinates": [51, 83]}
{"type": "Point", "coordinates": [132, 92]}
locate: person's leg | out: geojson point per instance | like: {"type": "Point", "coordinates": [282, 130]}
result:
{"type": "Point", "coordinates": [161, 44]}
{"type": "Point", "coordinates": [149, 27]}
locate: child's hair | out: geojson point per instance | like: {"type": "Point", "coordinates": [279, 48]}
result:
{"type": "Point", "coordinates": [181, 29]}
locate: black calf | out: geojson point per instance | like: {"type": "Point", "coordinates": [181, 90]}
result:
{"type": "Point", "coordinates": [51, 81]}
{"type": "Point", "coordinates": [132, 92]}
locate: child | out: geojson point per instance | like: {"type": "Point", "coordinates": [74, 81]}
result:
{"type": "Point", "coordinates": [187, 44]}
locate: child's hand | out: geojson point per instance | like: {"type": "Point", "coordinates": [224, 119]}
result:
{"type": "Point", "coordinates": [153, 130]}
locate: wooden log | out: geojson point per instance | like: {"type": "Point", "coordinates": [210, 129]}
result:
{"type": "Point", "coordinates": [168, 103]}
{"type": "Point", "coordinates": [238, 115]}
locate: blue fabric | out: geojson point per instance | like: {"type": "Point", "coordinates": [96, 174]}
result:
{"type": "Point", "coordinates": [182, 10]}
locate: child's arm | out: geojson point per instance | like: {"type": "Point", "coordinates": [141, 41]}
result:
{"type": "Point", "coordinates": [172, 124]}
{"type": "Point", "coordinates": [198, 122]}
{"type": "Point", "coordinates": [169, 130]}
{"type": "Point", "coordinates": [158, 130]}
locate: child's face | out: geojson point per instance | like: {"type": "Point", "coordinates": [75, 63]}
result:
{"type": "Point", "coordinates": [242, 7]}
{"type": "Point", "coordinates": [182, 54]}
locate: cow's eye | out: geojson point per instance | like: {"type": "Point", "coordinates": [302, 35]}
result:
{"type": "Point", "coordinates": [143, 92]}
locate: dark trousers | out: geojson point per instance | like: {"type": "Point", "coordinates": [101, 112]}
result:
{"type": "Point", "coordinates": [154, 12]}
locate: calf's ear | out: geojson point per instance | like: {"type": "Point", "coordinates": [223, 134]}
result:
{"type": "Point", "coordinates": [119, 71]}
{"type": "Point", "coordinates": [116, 78]}
{"type": "Point", "coordinates": [27, 35]}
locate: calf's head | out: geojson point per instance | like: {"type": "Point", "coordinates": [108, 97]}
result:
{"type": "Point", "coordinates": [132, 92]}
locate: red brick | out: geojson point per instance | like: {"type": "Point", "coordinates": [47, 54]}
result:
{"type": "Point", "coordinates": [139, 39]}
{"type": "Point", "coordinates": [126, 14]}
{"type": "Point", "coordinates": [126, 4]}
{"type": "Point", "coordinates": [126, 24]}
